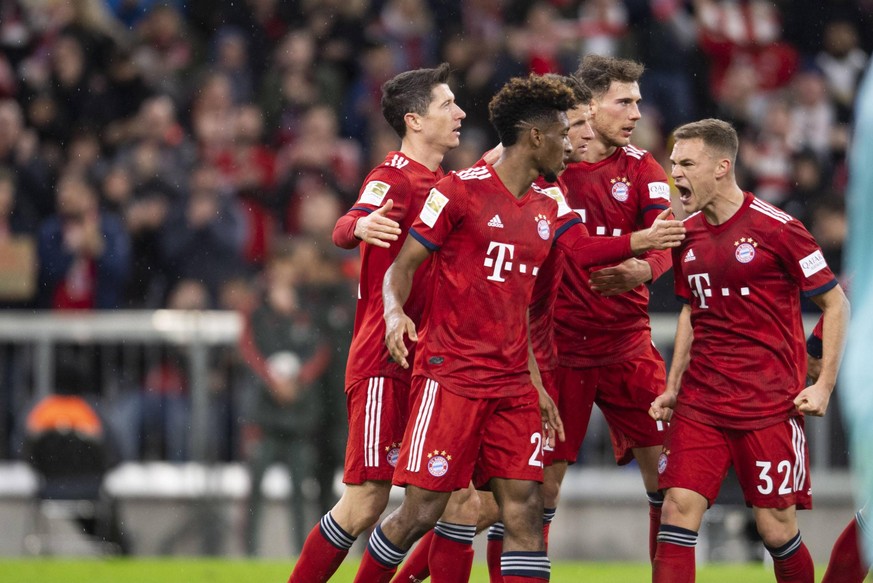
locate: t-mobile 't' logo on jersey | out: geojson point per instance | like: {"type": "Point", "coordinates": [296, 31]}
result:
{"type": "Point", "coordinates": [502, 263]}
{"type": "Point", "coordinates": [699, 283]}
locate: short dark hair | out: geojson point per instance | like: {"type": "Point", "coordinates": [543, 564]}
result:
{"type": "Point", "coordinates": [599, 72]}
{"type": "Point", "coordinates": [716, 134]}
{"type": "Point", "coordinates": [410, 92]}
{"type": "Point", "coordinates": [528, 99]}
{"type": "Point", "coordinates": [580, 90]}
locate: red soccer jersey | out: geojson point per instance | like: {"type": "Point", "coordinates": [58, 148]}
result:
{"type": "Point", "coordinates": [743, 280]}
{"type": "Point", "coordinates": [618, 195]}
{"type": "Point", "coordinates": [489, 249]}
{"type": "Point", "coordinates": [407, 183]}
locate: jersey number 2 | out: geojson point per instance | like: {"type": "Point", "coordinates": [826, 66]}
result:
{"type": "Point", "coordinates": [536, 457]}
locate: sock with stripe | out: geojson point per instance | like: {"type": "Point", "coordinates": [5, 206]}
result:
{"type": "Point", "coordinates": [451, 553]}
{"type": "Point", "coordinates": [521, 566]}
{"type": "Point", "coordinates": [792, 562]}
{"type": "Point", "coordinates": [674, 559]}
{"type": "Point", "coordinates": [493, 550]}
{"type": "Point", "coordinates": [656, 501]}
{"type": "Point", "coordinates": [415, 567]}
{"type": "Point", "coordinates": [548, 517]}
{"type": "Point", "coordinates": [325, 549]}
{"type": "Point", "coordinates": [380, 560]}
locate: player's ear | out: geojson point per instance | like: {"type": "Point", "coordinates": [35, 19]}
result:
{"type": "Point", "coordinates": [413, 121]}
{"type": "Point", "coordinates": [723, 168]}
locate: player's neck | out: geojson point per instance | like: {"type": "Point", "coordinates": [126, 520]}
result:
{"type": "Point", "coordinates": [424, 154]}
{"type": "Point", "coordinates": [514, 170]}
{"type": "Point", "coordinates": [724, 205]}
{"type": "Point", "coordinates": [597, 151]}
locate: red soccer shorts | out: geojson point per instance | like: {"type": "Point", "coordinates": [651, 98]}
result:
{"type": "Point", "coordinates": [771, 463]}
{"type": "Point", "coordinates": [452, 439]}
{"type": "Point", "coordinates": [378, 408]}
{"type": "Point", "coordinates": [623, 391]}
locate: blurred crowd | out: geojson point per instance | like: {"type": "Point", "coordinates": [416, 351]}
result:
{"type": "Point", "coordinates": [162, 153]}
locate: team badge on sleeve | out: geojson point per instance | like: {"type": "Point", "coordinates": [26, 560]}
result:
{"type": "Point", "coordinates": [813, 263]}
{"type": "Point", "coordinates": [433, 207]}
{"type": "Point", "coordinates": [374, 192]}
{"type": "Point", "coordinates": [555, 194]}
{"type": "Point", "coordinates": [659, 190]}
{"type": "Point", "coordinates": [438, 463]}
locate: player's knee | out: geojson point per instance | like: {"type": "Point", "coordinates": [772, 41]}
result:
{"type": "Point", "coordinates": [683, 508]}
{"type": "Point", "coordinates": [776, 528]}
{"type": "Point", "coordinates": [463, 507]}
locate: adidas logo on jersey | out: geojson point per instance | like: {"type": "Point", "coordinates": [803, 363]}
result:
{"type": "Point", "coordinates": [495, 222]}
{"type": "Point", "coordinates": [689, 256]}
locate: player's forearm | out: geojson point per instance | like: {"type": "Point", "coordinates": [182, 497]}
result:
{"type": "Point", "coordinates": [396, 287]}
{"type": "Point", "coordinates": [344, 231]}
{"type": "Point", "coordinates": [588, 251]}
{"type": "Point", "coordinates": [659, 262]}
{"type": "Point", "coordinates": [835, 322]}
{"type": "Point", "coordinates": [681, 350]}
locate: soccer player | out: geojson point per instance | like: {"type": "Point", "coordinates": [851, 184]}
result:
{"type": "Point", "coordinates": [605, 350]}
{"type": "Point", "coordinates": [735, 392]}
{"type": "Point", "coordinates": [476, 414]}
{"type": "Point", "coordinates": [421, 108]}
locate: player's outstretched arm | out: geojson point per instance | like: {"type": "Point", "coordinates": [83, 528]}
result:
{"type": "Point", "coordinates": [376, 228]}
{"type": "Point", "coordinates": [615, 280]}
{"type": "Point", "coordinates": [814, 399]}
{"type": "Point", "coordinates": [663, 234]}
{"type": "Point", "coordinates": [663, 405]}
{"type": "Point", "coordinates": [395, 290]}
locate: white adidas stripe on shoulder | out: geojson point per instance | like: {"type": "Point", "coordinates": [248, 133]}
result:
{"type": "Point", "coordinates": [691, 216]}
{"type": "Point", "coordinates": [770, 210]}
{"type": "Point", "coordinates": [635, 152]}
{"type": "Point", "coordinates": [474, 173]}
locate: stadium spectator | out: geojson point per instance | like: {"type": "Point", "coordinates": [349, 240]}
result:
{"type": "Point", "coordinates": [84, 253]}
{"type": "Point", "coordinates": [288, 352]}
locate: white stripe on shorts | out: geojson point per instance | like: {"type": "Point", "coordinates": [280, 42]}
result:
{"type": "Point", "coordinates": [799, 440]}
{"type": "Point", "coordinates": [373, 421]}
{"type": "Point", "coordinates": [422, 420]}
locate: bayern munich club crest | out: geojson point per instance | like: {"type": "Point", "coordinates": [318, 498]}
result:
{"type": "Point", "coordinates": [620, 189]}
{"type": "Point", "coordinates": [393, 454]}
{"type": "Point", "coordinates": [662, 462]}
{"type": "Point", "coordinates": [438, 463]}
{"type": "Point", "coordinates": [543, 229]}
{"type": "Point", "coordinates": [745, 249]}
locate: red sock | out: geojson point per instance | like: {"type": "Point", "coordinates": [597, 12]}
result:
{"type": "Point", "coordinates": [656, 501]}
{"type": "Point", "coordinates": [320, 558]}
{"type": "Point", "coordinates": [493, 551]}
{"type": "Point", "coordinates": [372, 571]}
{"type": "Point", "coordinates": [451, 560]}
{"type": "Point", "coordinates": [654, 525]}
{"type": "Point", "coordinates": [674, 559]}
{"type": "Point", "coordinates": [415, 567]}
{"type": "Point", "coordinates": [845, 564]}
{"type": "Point", "coordinates": [797, 567]}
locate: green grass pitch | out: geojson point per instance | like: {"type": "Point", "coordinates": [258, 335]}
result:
{"type": "Point", "coordinates": [234, 571]}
